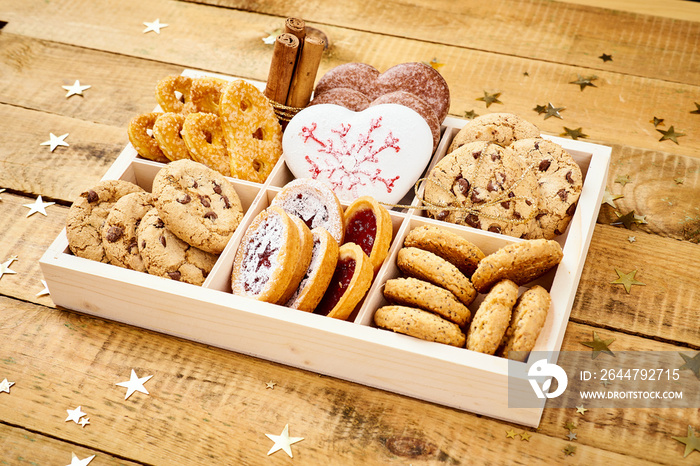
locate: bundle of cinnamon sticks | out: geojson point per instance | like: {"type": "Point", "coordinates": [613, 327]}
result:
{"type": "Point", "coordinates": [295, 61]}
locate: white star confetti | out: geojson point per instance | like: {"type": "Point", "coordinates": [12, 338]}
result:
{"type": "Point", "coordinates": [5, 266]}
{"type": "Point", "coordinates": [270, 384]}
{"type": "Point", "coordinates": [75, 461]}
{"type": "Point", "coordinates": [74, 415]}
{"type": "Point", "coordinates": [269, 40]}
{"type": "Point", "coordinates": [45, 291]}
{"type": "Point", "coordinates": [2, 190]}
{"type": "Point", "coordinates": [155, 26]}
{"type": "Point", "coordinates": [134, 384]}
{"type": "Point", "coordinates": [283, 442]}
{"type": "Point", "coordinates": [84, 421]}
{"type": "Point", "coordinates": [75, 89]}
{"type": "Point", "coordinates": [38, 206]}
{"type": "Point", "coordinates": [631, 239]}
{"type": "Point", "coordinates": [5, 386]}
{"type": "Point", "coordinates": [55, 141]}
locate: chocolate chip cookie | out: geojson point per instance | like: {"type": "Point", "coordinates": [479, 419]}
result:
{"type": "Point", "coordinates": [119, 230]}
{"type": "Point", "coordinates": [559, 182]}
{"type": "Point", "coordinates": [197, 204]}
{"type": "Point", "coordinates": [484, 186]}
{"type": "Point", "coordinates": [88, 213]}
{"type": "Point", "coordinates": [501, 128]}
{"type": "Point", "coordinates": [166, 255]}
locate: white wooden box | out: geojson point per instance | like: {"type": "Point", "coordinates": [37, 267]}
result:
{"type": "Point", "coordinates": [353, 350]}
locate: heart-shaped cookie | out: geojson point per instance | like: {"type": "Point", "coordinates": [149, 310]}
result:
{"type": "Point", "coordinates": [379, 152]}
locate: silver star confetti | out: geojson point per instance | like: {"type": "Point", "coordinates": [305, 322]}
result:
{"type": "Point", "coordinates": [5, 266]}
{"type": "Point", "coordinates": [155, 26]}
{"type": "Point", "coordinates": [134, 384]}
{"type": "Point", "coordinates": [283, 442]}
{"type": "Point", "coordinates": [74, 415]}
{"type": "Point", "coordinates": [75, 89]}
{"type": "Point", "coordinates": [38, 206]}
{"type": "Point", "coordinates": [55, 141]}
{"type": "Point", "coordinates": [5, 386]}
{"type": "Point", "coordinates": [75, 461]}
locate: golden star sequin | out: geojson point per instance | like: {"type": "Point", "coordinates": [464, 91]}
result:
{"type": "Point", "coordinates": [569, 450]}
{"type": "Point", "coordinates": [270, 385]}
{"type": "Point", "coordinates": [585, 81]}
{"type": "Point", "coordinates": [697, 109]}
{"type": "Point", "coordinates": [656, 121]}
{"type": "Point", "coordinates": [490, 98]}
{"type": "Point", "coordinates": [623, 180]}
{"type": "Point", "coordinates": [510, 434]}
{"type": "Point", "coordinates": [670, 134]}
{"type": "Point", "coordinates": [524, 436]}
{"type": "Point", "coordinates": [581, 410]}
{"type": "Point", "coordinates": [626, 280]}
{"type": "Point", "coordinates": [628, 219]}
{"type": "Point", "coordinates": [605, 57]}
{"type": "Point", "coordinates": [599, 346]}
{"type": "Point", "coordinates": [609, 198]}
{"type": "Point", "coordinates": [691, 442]}
{"type": "Point", "coordinates": [471, 114]}
{"type": "Point", "coordinates": [574, 133]}
{"type": "Point", "coordinates": [540, 109]}
{"type": "Point", "coordinates": [552, 111]}
{"type": "Point", "coordinates": [435, 64]}
{"type": "Point", "coordinates": [570, 425]}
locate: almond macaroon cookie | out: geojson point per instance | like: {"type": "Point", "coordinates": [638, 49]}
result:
{"type": "Point", "coordinates": [419, 324]}
{"type": "Point", "coordinates": [529, 316]}
{"type": "Point", "coordinates": [492, 318]}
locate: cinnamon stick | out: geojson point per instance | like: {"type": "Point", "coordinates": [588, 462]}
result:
{"type": "Point", "coordinates": [284, 56]}
{"type": "Point", "coordinates": [297, 27]}
{"type": "Point", "coordinates": [305, 72]}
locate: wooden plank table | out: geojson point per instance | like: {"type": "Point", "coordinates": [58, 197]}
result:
{"type": "Point", "coordinates": [210, 406]}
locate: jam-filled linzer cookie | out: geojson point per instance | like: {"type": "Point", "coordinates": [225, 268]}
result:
{"type": "Point", "coordinates": [351, 280]}
{"type": "Point", "coordinates": [315, 203]}
{"type": "Point", "coordinates": [419, 324]}
{"type": "Point", "coordinates": [368, 224]}
{"type": "Point", "coordinates": [306, 245]}
{"type": "Point", "coordinates": [199, 205]}
{"type": "Point", "coordinates": [266, 257]}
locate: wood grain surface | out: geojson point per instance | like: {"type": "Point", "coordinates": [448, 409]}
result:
{"type": "Point", "coordinates": [211, 406]}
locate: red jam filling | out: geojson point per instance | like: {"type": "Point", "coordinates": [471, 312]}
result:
{"type": "Point", "coordinates": [342, 277]}
{"type": "Point", "coordinates": [261, 251]}
{"type": "Point", "coordinates": [362, 229]}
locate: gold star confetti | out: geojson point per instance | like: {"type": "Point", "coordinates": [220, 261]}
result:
{"type": "Point", "coordinates": [581, 410]}
{"type": "Point", "coordinates": [657, 121]}
{"type": "Point", "coordinates": [471, 114]}
{"type": "Point", "coordinates": [599, 346]}
{"type": "Point", "coordinates": [584, 81]}
{"type": "Point", "coordinates": [510, 434]}
{"type": "Point", "coordinates": [5, 266]}
{"type": "Point", "coordinates": [283, 441]}
{"type": "Point", "coordinates": [134, 384]}
{"type": "Point", "coordinates": [75, 89]}
{"type": "Point", "coordinates": [552, 111]}
{"type": "Point", "coordinates": [38, 206]}
{"type": "Point", "coordinates": [605, 57]}
{"type": "Point", "coordinates": [570, 425]}
{"type": "Point", "coordinates": [623, 180]}
{"type": "Point", "coordinates": [540, 109]}
{"type": "Point", "coordinates": [5, 386]}
{"type": "Point", "coordinates": [631, 239]}
{"type": "Point", "coordinates": [691, 364]}
{"type": "Point", "coordinates": [697, 109]}
{"type": "Point", "coordinates": [670, 134]}
{"type": "Point", "coordinates": [75, 461]}
{"type": "Point", "coordinates": [605, 383]}
{"type": "Point", "coordinates": [525, 73]}
{"type": "Point", "coordinates": [270, 385]}
{"type": "Point", "coordinates": [679, 180]}
{"type": "Point", "coordinates": [490, 98]}
{"type": "Point", "coordinates": [573, 133]}
{"type": "Point", "coordinates": [640, 218]}
{"type": "Point", "coordinates": [74, 415]}
{"type": "Point", "coordinates": [571, 436]}
{"type": "Point", "coordinates": [154, 26]}
{"type": "Point", "coordinates": [626, 279]}
{"type": "Point", "coordinates": [691, 442]}
{"type": "Point", "coordinates": [55, 141]}
{"type": "Point", "coordinates": [435, 64]}
{"type": "Point", "coordinates": [569, 450]}
{"type": "Point", "coordinates": [609, 198]}
{"type": "Point", "coordinates": [628, 219]}
{"type": "Point", "coordinates": [525, 436]}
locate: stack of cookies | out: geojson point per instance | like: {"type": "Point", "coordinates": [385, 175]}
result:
{"type": "Point", "coordinates": [177, 231]}
{"type": "Point", "coordinates": [442, 275]}
{"type": "Point", "coordinates": [499, 175]}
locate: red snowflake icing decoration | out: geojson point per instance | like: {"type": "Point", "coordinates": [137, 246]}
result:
{"type": "Point", "coordinates": [350, 165]}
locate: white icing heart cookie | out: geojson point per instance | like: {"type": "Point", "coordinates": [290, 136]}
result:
{"type": "Point", "coordinates": [379, 152]}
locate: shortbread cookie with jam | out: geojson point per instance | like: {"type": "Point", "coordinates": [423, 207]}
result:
{"type": "Point", "coordinates": [520, 262]}
{"type": "Point", "coordinates": [419, 324]}
{"type": "Point", "coordinates": [424, 295]}
{"type": "Point", "coordinates": [166, 255]}
{"type": "Point", "coordinates": [199, 205]}
{"type": "Point", "coordinates": [529, 315]}
{"type": "Point", "coordinates": [559, 183]}
{"type": "Point", "coordinates": [266, 258]}
{"type": "Point", "coordinates": [500, 128]}
{"type": "Point", "coordinates": [484, 186]}
{"type": "Point", "coordinates": [450, 246]}
{"type": "Point", "coordinates": [119, 230]}
{"type": "Point", "coordinates": [492, 318]}
{"type": "Point", "coordinates": [368, 224]}
{"type": "Point", "coordinates": [425, 265]}
{"type": "Point", "coordinates": [306, 246]}
{"type": "Point", "coordinates": [88, 213]}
